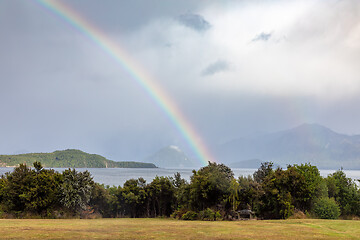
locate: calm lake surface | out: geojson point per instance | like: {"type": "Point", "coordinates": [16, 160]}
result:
{"type": "Point", "coordinates": [118, 176]}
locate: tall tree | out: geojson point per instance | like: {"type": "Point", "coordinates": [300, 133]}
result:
{"type": "Point", "coordinates": [209, 186]}
{"type": "Point", "coordinates": [345, 191]}
{"type": "Point", "coordinates": [161, 196]}
{"type": "Point", "coordinates": [75, 190]}
{"type": "Point", "coordinates": [30, 190]}
{"type": "Point", "coordinates": [309, 188]}
{"type": "Point", "coordinates": [264, 170]}
{"type": "Point", "coordinates": [135, 196]}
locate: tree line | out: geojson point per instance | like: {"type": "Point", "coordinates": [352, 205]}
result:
{"type": "Point", "coordinates": [213, 193]}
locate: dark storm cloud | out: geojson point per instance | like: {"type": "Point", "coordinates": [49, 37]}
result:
{"type": "Point", "coordinates": [194, 21]}
{"type": "Point", "coordinates": [262, 37]}
{"type": "Point", "coordinates": [218, 66]}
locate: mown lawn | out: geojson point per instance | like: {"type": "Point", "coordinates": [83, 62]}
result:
{"type": "Point", "coordinates": [126, 228]}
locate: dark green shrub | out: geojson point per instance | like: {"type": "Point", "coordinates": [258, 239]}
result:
{"type": "Point", "coordinates": [177, 214]}
{"type": "Point", "coordinates": [207, 215]}
{"type": "Point", "coordinates": [218, 216]}
{"type": "Point", "coordinates": [326, 208]}
{"type": "Point", "coordinates": [190, 215]}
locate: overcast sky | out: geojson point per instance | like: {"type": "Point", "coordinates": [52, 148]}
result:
{"type": "Point", "coordinates": [234, 68]}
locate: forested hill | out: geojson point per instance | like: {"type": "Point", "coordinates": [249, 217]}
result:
{"type": "Point", "coordinates": [70, 158]}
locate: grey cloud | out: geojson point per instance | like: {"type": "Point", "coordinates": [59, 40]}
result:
{"type": "Point", "coordinates": [262, 37]}
{"type": "Point", "coordinates": [218, 66]}
{"type": "Point", "coordinates": [194, 21]}
{"type": "Point", "coordinates": [112, 15]}
{"type": "Point", "coordinates": [58, 90]}
{"type": "Point", "coordinates": [125, 16]}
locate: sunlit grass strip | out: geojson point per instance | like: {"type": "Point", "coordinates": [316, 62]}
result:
{"type": "Point", "coordinates": [126, 228]}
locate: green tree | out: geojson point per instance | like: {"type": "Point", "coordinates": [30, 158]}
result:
{"type": "Point", "coordinates": [345, 192]}
{"type": "Point", "coordinates": [117, 201]}
{"type": "Point", "coordinates": [310, 187]}
{"type": "Point", "coordinates": [28, 190]}
{"type": "Point", "coordinates": [75, 190]}
{"type": "Point", "coordinates": [276, 202]}
{"type": "Point", "coordinates": [161, 194]}
{"type": "Point", "coordinates": [16, 186]}
{"type": "Point", "coordinates": [43, 197]}
{"type": "Point", "coordinates": [180, 190]}
{"type": "Point", "coordinates": [101, 200]}
{"type": "Point", "coordinates": [264, 170]}
{"type": "Point", "coordinates": [249, 193]}
{"type": "Point", "coordinates": [326, 208]}
{"type": "Point", "coordinates": [177, 181]}
{"type": "Point", "coordinates": [134, 197]}
{"type": "Point", "coordinates": [234, 190]}
{"type": "Point", "coordinates": [209, 186]}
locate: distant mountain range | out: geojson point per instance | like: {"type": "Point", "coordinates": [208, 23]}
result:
{"type": "Point", "coordinates": [306, 143]}
{"type": "Point", "coordinates": [70, 158]}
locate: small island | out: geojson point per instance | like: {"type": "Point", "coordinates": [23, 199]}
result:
{"type": "Point", "coordinates": [70, 158]}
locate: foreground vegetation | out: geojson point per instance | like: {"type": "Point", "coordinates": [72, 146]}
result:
{"type": "Point", "coordinates": [125, 228]}
{"type": "Point", "coordinates": [68, 158]}
{"type": "Point", "coordinates": [212, 194]}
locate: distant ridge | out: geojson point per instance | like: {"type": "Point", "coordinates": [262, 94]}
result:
{"type": "Point", "coordinates": [171, 157]}
{"type": "Point", "coordinates": [312, 143]}
{"type": "Point", "coordinates": [251, 163]}
{"type": "Point", "coordinates": [70, 158]}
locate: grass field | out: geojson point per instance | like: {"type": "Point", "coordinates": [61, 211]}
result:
{"type": "Point", "coordinates": [126, 228]}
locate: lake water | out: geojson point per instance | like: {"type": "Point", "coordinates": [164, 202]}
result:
{"type": "Point", "coordinates": [118, 176]}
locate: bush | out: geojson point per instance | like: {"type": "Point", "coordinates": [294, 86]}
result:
{"type": "Point", "coordinates": [298, 215]}
{"type": "Point", "coordinates": [177, 214]}
{"type": "Point", "coordinates": [189, 215]}
{"type": "Point", "coordinates": [210, 215]}
{"type": "Point", "coordinates": [326, 208]}
{"type": "Point", "coordinates": [207, 215]}
{"type": "Point", "coordinates": [218, 216]}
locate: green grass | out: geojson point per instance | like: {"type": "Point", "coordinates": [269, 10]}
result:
{"type": "Point", "coordinates": [126, 228]}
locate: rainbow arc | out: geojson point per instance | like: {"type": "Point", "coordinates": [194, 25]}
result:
{"type": "Point", "coordinates": [139, 74]}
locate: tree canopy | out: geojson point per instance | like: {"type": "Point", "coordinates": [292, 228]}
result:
{"type": "Point", "coordinates": [213, 193]}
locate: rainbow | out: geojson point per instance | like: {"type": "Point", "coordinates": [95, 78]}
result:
{"type": "Point", "coordinates": [138, 73]}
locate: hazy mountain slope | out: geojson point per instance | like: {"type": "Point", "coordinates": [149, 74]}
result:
{"type": "Point", "coordinates": [306, 143]}
{"type": "Point", "coordinates": [171, 157]}
{"type": "Point", "coordinates": [251, 163]}
{"type": "Point", "coordinates": [69, 158]}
